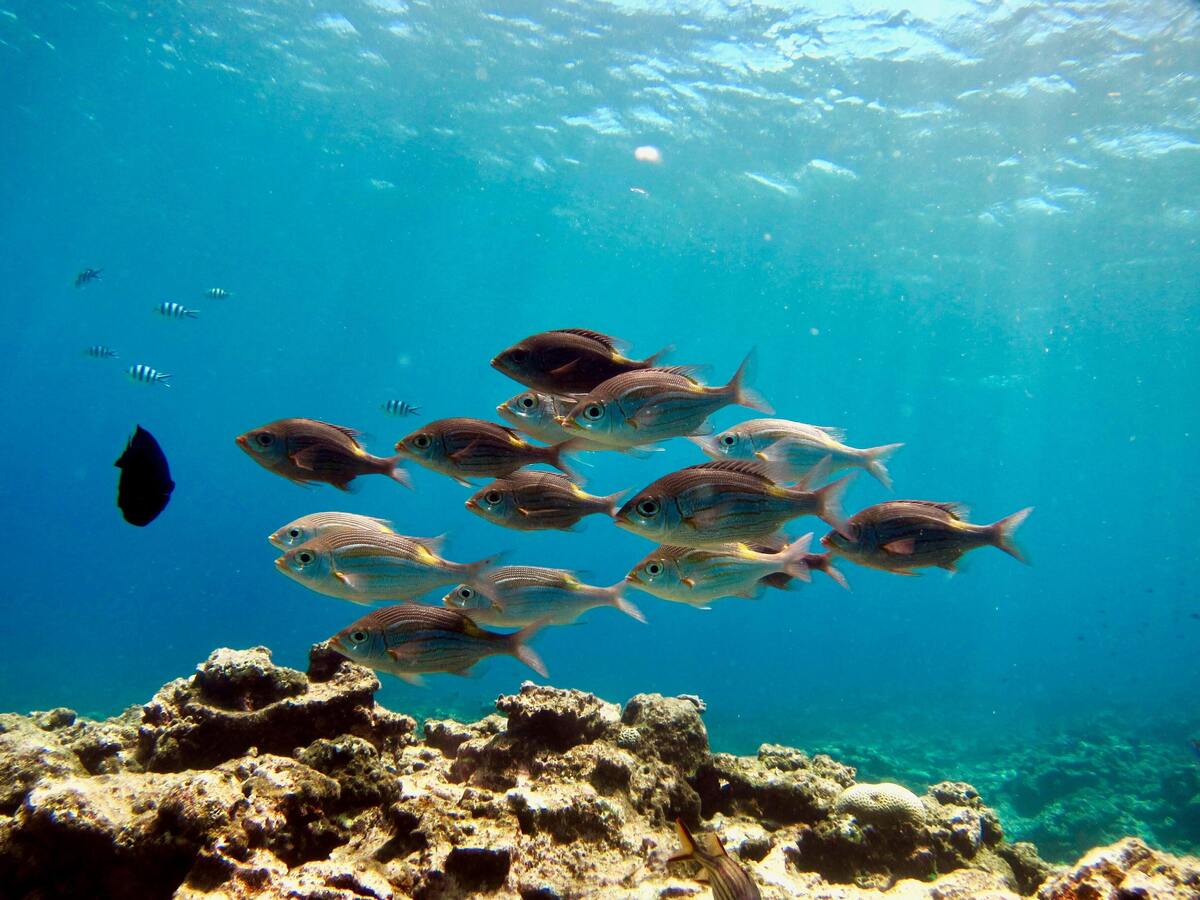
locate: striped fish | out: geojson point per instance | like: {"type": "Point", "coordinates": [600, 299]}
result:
{"type": "Point", "coordinates": [217, 293]}
{"type": "Point", "coordinates": [474, 448]}
{"type": "Point", "coordinates": [366, 566]}
{"type": "Point", "coordinates": [400, 408]}
{"type": "Point", "coordinates": [147, 375]}
{"type": "Point", "coordinates": [522, 595]}
{"type": "Point", "coordinates": [539, 415]}
{"type": "Point", "coordinates": [537, 501]}
{"type": "Point", "coordinates": [99, 351]}
{"type": "Point", "coordinates": [172, 310]}
{"type": "Point", "coordinates": [306, 528]}
{"type": "Point", "coordinates": [728, 880]}
{"type": "Point", "coordinates": [656, 404]}
{"type": "Point", "coordinates": [308, 450]}
{"type": "Point", "coordinates": [413, 639]}
{"type": "Point", "coordinates": [568, 360]}
{"type": "Point", "coordinates": [797, 448]}
{"type": "Point", "coordinates": [725, 502]}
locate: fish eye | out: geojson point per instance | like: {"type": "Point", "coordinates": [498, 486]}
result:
{"type": "Point", "coordinates": [729, 440]}
{"type": "Point", "coordinates": [421, 442]}
{"type": "Point", "coordinates": [654, 569]}
{"type": "Point", "coordinates": [648, 507]}
{"type": "Point", "coordinates": [358, 637]}
{"type": "Point", "coordinates": [264, 438]}
{"type": "Point", "coordinates": [527, 401]}
{"type": "Point", "coordinates": [466, 593]}
{"type": "Point", "coordinates": [305, 557]}
{"type": "Point", "coordinates": [492, 498]}
{"type": "Point", "coordinates": [294, 533]}
{"type": "Point", "coordinates": [593, 412]}
{"type": "Point", "coordinates": [520, 354]}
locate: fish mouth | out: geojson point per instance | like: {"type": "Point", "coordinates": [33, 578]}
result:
{"type": "Point", "coordinates": [336, 643]}
{"type": "Point", "coordinates": [623, 523]}
{"type": "Point", "coordinates": [242, 441]}
{"type": "Point", "coordinates": [471, 504]}
{"type": "Point", "coordinates": [632, 578]}
{"type": "Point", "coordinates": [501, 409]}
{"type": "Point", "coordinates": [280, 563]}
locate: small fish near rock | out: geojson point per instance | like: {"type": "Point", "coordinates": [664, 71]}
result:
{"type": "Point", "coordinates": [307, 450]}
{"type": "Point", "coordinates": [728, 880]}
{"type": "Point", "coordinates": [145, 486]}
{"type": "Point", "coordinates": [568, 360]}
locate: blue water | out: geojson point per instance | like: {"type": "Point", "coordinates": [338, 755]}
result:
{"type": "Point", "coordinates": [968, 227]}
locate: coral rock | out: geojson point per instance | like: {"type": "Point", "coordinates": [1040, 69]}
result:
{"type": "Point", "coordinates": [885, 805]}
{"type": "Point", "coordinates": [1127, 869]}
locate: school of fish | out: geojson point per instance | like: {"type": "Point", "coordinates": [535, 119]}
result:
{"type": "Point", "coordinates": [717, 526]}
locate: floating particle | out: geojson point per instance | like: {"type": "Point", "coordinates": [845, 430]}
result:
{"type": "Point", "coordinates": [647, 154]}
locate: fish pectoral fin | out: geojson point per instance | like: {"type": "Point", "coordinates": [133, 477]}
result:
{"type": "Point", "coordinates": [690, 582]}
{"type": "Point", "coordinates": [411, 677]}
{"type": "Point", "coordinates": [464, 452]}
{"type": "Point", "coordinates": [904, 547]}
{"type": "Point", "coordinates": [462, 481]}
{"type": "Point", "coordinates": [537, 513]}
{"type": "Point", "coordinates": [354, 582]}
{"type": "Point", "coordinates": [564, 369]}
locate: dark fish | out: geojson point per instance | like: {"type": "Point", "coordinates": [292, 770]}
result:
{"type": "Point", "coordinates": [145, 485]}
{"type": "Point", "coordinates": [537, 501]}
{"type": "Point", "coordinates": [902, 535]}
{"type": "Point", "coordinates": [568, 361]}
{"type": "Point", "coordinates": [728, 880]}
{"type": "Point", "coordinates": [724, 502]}
{"type": "Point", "coordinates": [87, 275]}
{"type": "Point", "coordinates": [474, 448]}
{"type": "Point", "coordinates": [306, 450]}
{"type": "Point", "coordinates": [412, 639]}
{"type": "Point", "coordinates": [1196, 746]}
{"type": "Point", "coordinates": [400, 408]}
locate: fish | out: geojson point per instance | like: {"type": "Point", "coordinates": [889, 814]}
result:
{"type": "Point", "coordinates": [307, 450]}
{"type": "Point", "coordinates": [363, 566]}
{"type": "Point", "coordinates": [724, 502]}
{"type": "Point", "coordinates": [539, 501]}
{"type": "Point", "coordinates": [217, 293]}
{"type": "Point", "coordinates": [727, 879]}
{"type": "Point", "coordinates": [145, 486]}
{"type": "Point", "coordinates": [699, 575]}
{"type": "Point", "coordinates": [400, 408]}
{"type": "Point", "coordinates": [473, 448]}
{"type": "Point", "coordinates": [173, 310]}
{"type": "Point", "coordinates": [568, 360]}
{"type": "Point", "coordinates": [87, 276]}
{"type": "Point", "coordinates": [99, 351]}
{"type": "Point", "coordinates": [304, 529]}
{"type": "Point", "coordinates": [797, 448]}
{"type": "Point", "coordinates": [901, 535]}
{"type": "Point", "coordinates": [652, 405]}
{"type": "Point", "coordinates": [147, 375]}
{"type": "Point", "coordinates": [411, 640]}
{"type": "Point", "coordinates": [521, 595]}
{"type": "Point", "coordinates": [540, 416]}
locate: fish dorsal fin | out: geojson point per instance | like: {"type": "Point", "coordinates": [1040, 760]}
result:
{"type": "Point", "coordinates": [351, 433]}
{"type": "Point", "coordinates": [838, 434]}
{"type": "Point", "coordinates": [670, 551]}
{"type": "Point", "coordinates": [772, 543]}
{"type": "Point", "coordinates": [742, 466]}
{"type": "Point", "coordinates": [957, 510]}
{"type": "Point", "coordinates": [608, 341]}
{"type": "Point", "coordinates": [710, 843]}
{"type": "Point", "coordinates": [689, 372]}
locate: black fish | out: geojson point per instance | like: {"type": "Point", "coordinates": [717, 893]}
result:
{"type": "Point", "coordinates": [1196, 746]}
{"type": "Point", "coordinates": [87, 275]}
{"type": "Point", "coordinates": [145, 485]}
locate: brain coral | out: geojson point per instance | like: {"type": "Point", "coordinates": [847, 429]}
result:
{"type": "Point", "coordinates": [881, 804]}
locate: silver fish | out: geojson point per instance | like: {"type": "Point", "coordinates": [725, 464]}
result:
{"type": "Point", "coordinates": [314, 525]}
{"type": "Point", "coordinates": [728, 880]}
{"type": "Point", "coordinates": [796, 447]}
{"type": "Point", "coordinates": [173, 310]}
{"type": "Point", "coordinates": [147, 375]}
{"type": "Point", "coordinates": [651, 405]}
{"type": "Point", "coordinates": [410, 640]}
{"type": "Point", "coordinates": [400, 408]}
{"type": "Point", "coordinates": [99, 351]}
{"type": "Point", "coordinates": [540, 416]}
{"type": "Point", "coordinates": [724, 502]}
{"type": "Point", "coordinates": [520, 595]}
{"type": "Point", "coordinates": [537, 501]}
{"type": "Point", "coordinates": [365, 566]}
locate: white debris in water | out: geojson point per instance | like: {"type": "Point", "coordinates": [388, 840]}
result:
{"type": "Point", "coordinates": [338, 24]}
{"type": "Point", "coordinates": [647, 154]}
{"type": "Point", "coordinates": [827, 168]}
{"type": "Point", "coordinates": [782, 187]}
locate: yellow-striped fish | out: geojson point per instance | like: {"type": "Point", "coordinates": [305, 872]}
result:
{"type": "Point", "coordinates": [521, 595]}
{"type": "Point", "coordinates": [728, 880]}
{"type": "Point", "coordinates": [304, 529]}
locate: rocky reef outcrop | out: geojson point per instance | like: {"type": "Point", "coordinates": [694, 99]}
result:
{"type": "Point", "coordinates": [253, 780]}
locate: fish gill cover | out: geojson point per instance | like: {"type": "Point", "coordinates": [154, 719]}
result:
{"type": "Point", "coordinates": [971, 228]}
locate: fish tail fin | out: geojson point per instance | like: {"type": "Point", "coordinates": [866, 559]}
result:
{"type": "Point", "coordinates": [656, 359]}
{"type": "Point", "coordinates": [873, 459]}
{"type": "Point", "coordinates": [829, 503]}
{"type": "Point", "coordinates": [612, 502]}
{"type": "Point", "coordinates": [616, 596]}
{"type": "Point", "coordinates": [164, 380]}
{"type": "Point", "coordinates": [395, 470]}
{"type": "Point", "coordinates": [686, 841]}
{"type": "Point", "coordinates": [794, 558]}
{"type": "Point", "coordinates": [562, 455]}
{"type": "Point", "coordinates": [823, 562]}
{"type": "Point", "coordinates": [192, 313]}
{"type": "Point", "coordinates": [518, 646]}
{"type": "Point", "coordinates": [739, 386]}
{"type": "Point", "coordinates": [1004, 534]}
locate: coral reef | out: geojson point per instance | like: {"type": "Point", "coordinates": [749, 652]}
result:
{"type": "Point", "coordinates": [249, 779]}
